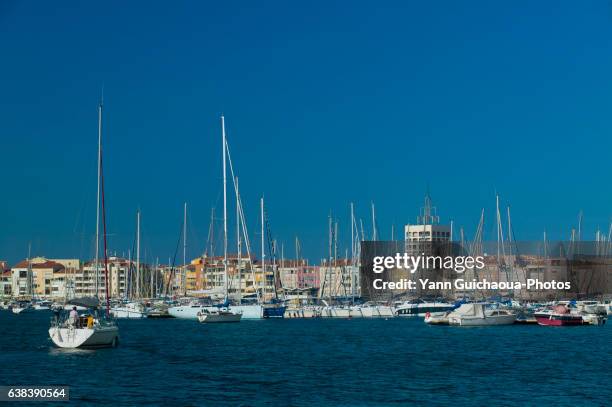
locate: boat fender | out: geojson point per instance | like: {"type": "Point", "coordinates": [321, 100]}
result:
{"type": "Point", "coordinates": [427, 314]}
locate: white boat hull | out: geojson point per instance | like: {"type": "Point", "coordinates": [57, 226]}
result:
{"type": "Point", "coordinates": [253, 311]}
{"type": "Point", "coordinates": [106, 336]}
{"type": "Point", "coordinates": [19, 310]}
{"type": "Point", "coordinates": [479, 321]}
{"type": "Point", "coordinates": [124, 313]}
{"type": "Point", "coordinates": [377, 311]}
{"type": "Point", "coordinates": [186, 311]}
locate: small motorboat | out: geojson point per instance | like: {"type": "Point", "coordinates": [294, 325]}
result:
{"type": "Point", "coordinates": [476, 314]}
{"type": "Point", "coordinates": [559, 315]}
{"type": "Point", "coordinates": [22, 307]}
{"type": "Point", "coordinates": [218, 315]}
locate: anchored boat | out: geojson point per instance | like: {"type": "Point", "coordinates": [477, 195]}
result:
{"type": "Point", "coordinates": [476, 314]}
{"type": "Point", "coordinates": [218, 315]}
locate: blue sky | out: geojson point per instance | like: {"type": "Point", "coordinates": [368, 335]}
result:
{"type": "Point", "coordinates": [325, 103]}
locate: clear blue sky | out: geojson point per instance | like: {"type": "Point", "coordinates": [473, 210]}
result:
{"type": "Point", "coordinates": [325, 102]}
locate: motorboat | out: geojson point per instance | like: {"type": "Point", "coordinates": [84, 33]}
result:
{"type": "Point", "coordinates": [218, 316]}
{"type": "Point", "coordinates": [559, 315]}
{"type": "Point", "coordinates": [476, 314]}
{"type": "Point", "coordinates": [22, 307]}
{"type": "Point", "coordinates": [421, 307]}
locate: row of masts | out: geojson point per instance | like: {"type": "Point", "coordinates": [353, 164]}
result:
{"type": "Point", "coordinates": [357, 229]}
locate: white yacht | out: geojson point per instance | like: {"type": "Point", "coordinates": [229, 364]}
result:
{"type": "Point", "coordinates": [190, 310]}
{"type": "Point", "coordinates": [476, 314]}
{"type": "Point", "coordinates": [419, 307]}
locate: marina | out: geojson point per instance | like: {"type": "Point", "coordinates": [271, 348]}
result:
{"type": "Point", "coordinates": [399, 360]}
{"type": "Point", "coordinates": [280, 204]}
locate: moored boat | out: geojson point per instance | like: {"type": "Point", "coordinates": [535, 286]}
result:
{"type": "Point", "coordinates": [559, 315]}
{"type": "Point", "coordinates": [22, 307]}
{"type": "Point", "coordinates": [421, 307]}
{"type": "Point", "coordinates": [131, 310]}
{"type": "Point", "coordinates": [476, 314]}
{"type": "Point", "coordinates": [218, 316]}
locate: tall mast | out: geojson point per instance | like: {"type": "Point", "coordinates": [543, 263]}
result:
{"type": "Point", "coordinates": [329, 269]}
{"type": "Point", "coordinates": [374, 233]}
{"type": "Point", "coordinates": [184, 276]}
{"type": "Point", "coordinates": [224, 208]}
{"type": "Point", "coordinates": [96, 272]}
{"type": "Point", "coordinates": [352, 235]}
{"type": "Point", "coordinates": [128, 289]}
{"type": "Point", "coordinates": [105, 246]}
{"type": "Point", "coordinates": [352, 253]}
{"type": "Point", "coordinates": [138, 253]}
{"type": "Point", "coordinates": [238, 242]}
{"type": "Point", "coordinates": [30, 282]}
{"type": "Point", "coordinates": [263, 250]}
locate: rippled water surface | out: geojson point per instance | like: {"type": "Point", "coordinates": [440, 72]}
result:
{"type": "Point", "coordinates": [316, 362]}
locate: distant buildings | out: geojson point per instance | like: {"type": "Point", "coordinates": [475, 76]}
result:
{"type": "Point", "coordinates": [6, 285]}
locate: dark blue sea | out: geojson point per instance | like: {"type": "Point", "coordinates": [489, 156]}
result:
{"type": "Point", "coordinates": [316, 362]}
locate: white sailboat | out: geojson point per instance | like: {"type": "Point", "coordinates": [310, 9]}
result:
{"type": "Point", "coordinates": [132, 309]}
{"type": "Point", "coordinates": [89, 330]}
{"type": "Point", "coordinates": [225, 314]}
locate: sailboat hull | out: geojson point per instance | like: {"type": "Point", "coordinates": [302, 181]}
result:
{"type": "Point", "coordinates": [99, 337]}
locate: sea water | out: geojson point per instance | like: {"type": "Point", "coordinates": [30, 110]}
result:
{"type": "Point", "coordinates": [318, 362]}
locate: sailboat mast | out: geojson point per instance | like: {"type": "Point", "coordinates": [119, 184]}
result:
{"type": "Point", "coordinates": [263, 250]}
{"type": "Point", "coordinates": [374, 233]}
{"type": "Point", "coordinates": [104, 239]}
{"type": "Point", "coordinates": [224, 208]}
{"type": "Point", "coordinates": [96, 272]}
{"type": "Point", "coordinates": [138, 253]}
{"type": "Point", "coordinates": [30, 280]}
{"type": "Point", "coordinates": [238, 242]}
{"type": "Point", "coordinates": [184, 276]}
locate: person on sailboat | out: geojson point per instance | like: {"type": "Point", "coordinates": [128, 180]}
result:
{"type": "Point", "coordinates": [74, 316]}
